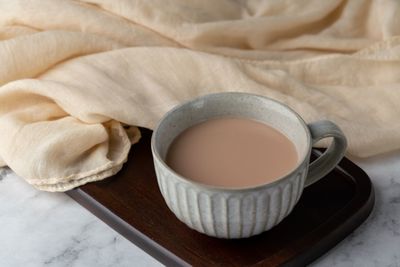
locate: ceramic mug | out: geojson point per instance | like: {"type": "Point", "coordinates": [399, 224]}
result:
{"type": "Point", "coordinates": [241, 212]}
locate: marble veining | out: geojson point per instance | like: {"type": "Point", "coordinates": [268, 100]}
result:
{"type": "Point", "coordinates": [377, 241]}
{"type": "Point", "coordinates": [4, 172]}
{"type": "Point", "coordinates": [50, 229]}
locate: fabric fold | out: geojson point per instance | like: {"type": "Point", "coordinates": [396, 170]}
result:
{"type": "Point", "coordinates": [78, 77]}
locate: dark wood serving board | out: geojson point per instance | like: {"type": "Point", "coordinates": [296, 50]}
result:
{"type": "Point", "coordinates": [131, 203]}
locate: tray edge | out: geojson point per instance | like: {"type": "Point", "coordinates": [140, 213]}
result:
{"type": "Point", "coordinates": [142, 241]}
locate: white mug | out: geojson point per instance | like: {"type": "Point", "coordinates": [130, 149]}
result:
{"type": "Point", "coordinates": [241, 212]}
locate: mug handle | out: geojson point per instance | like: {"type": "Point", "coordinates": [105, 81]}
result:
{"type": "Point", "coordinates": [332, 155]}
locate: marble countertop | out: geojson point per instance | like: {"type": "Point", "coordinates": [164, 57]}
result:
{"type": "Point", "coordinates": [50, 229]}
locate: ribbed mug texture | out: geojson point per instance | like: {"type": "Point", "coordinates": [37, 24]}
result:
{"type": "Point", "coordinates": [223, 212]}
{"type": "Point", "coordinates": [227, 214]}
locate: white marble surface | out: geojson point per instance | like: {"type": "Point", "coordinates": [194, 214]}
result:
{"type": "Point", "coordinates": [50, 229]}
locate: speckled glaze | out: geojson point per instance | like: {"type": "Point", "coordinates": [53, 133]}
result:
{"type": "Point", "coordinates": [241, 212]}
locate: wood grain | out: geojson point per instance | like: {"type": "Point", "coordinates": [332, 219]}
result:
{"type": "Point", "coordinates": [132, 204]}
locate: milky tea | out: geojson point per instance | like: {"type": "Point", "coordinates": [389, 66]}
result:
{"type": "Point", "coordinates": [232, 152]}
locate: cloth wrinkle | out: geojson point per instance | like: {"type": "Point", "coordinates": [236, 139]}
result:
{"type": "Point", "coordinates": [77, 78]}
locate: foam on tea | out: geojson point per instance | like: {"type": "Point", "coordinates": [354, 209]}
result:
{"type": "Point", "coordinates": [232, 152]}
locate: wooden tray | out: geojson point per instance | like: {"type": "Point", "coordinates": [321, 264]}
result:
{"type": "Point", "coordinates": [132, 204]}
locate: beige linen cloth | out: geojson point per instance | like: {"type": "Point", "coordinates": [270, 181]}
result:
{"type": "Point", "coordinates": [75, 74]}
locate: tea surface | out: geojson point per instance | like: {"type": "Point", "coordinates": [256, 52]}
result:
{"type": "Point", "coordinates": [232, 152]}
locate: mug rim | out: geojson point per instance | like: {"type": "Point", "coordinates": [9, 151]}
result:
{"type": "Point", "coordinates": [278, 180]}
